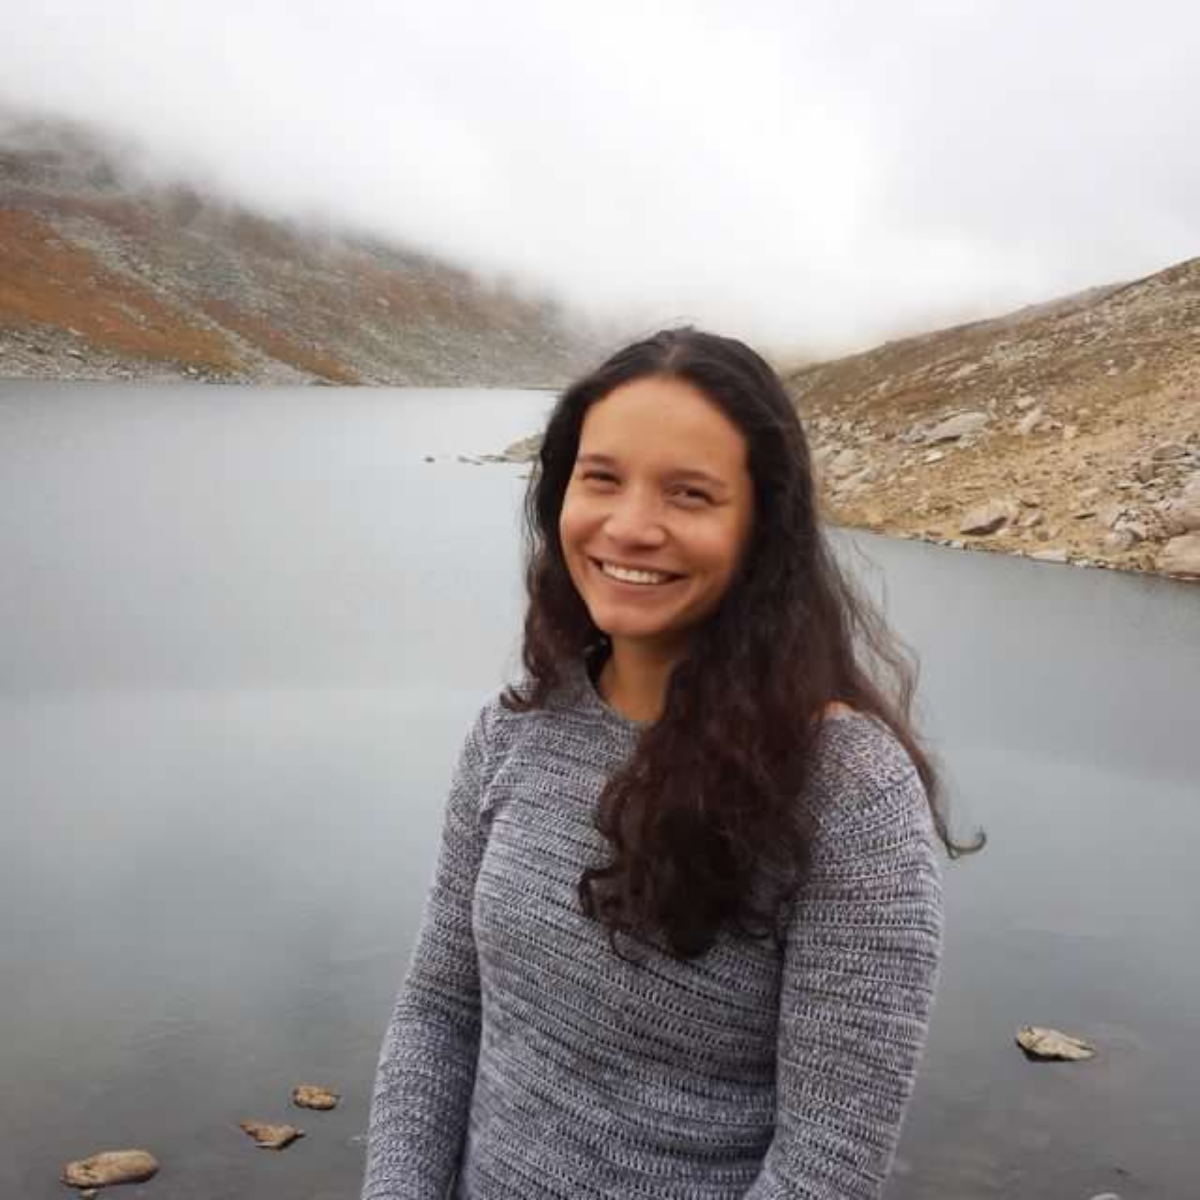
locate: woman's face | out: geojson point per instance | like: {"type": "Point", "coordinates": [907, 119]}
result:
{"type": "Point", "coordinates": [658, 511]}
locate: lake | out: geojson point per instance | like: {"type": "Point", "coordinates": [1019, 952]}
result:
{"type": "Point", "coordinates": [243, 633]}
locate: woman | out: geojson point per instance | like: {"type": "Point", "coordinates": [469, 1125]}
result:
{"type": "Point", "coordinates": [685, 926]}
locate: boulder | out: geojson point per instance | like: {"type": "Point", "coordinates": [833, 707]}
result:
{"type": "Point", "coordinates": [846, 462]}
{"type": "Point", "coordinates": [271, 1137]}
{"type": "Point", "coordinates": [989, 517]}
{"type": "Point", "coordinates": [312, 1095]}
{"type": "Point", "coordinates": [1182, 515]}
{"type": "Point", "coordinates": [1053, 1044]}
{"type": "Point", "coordinates": [110, 1167]}
{"type": "Point", "coordinates": [953, 428]}
{"type": "Point", "coordinates": [1054, 554]}
{"type": "Point", "coordinates": [1029, 422]}
{"type": "Point", "coordinates": [1168, 452]}
{"type": "Point", "coordinates": [1181, 556]}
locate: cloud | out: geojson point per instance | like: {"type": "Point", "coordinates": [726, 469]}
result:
{"type": "Point", "coordinates": [811, 176]}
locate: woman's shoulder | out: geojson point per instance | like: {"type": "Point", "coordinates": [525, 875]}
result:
{"type": "Point", "coordinates": [507, 717]}
{"type": "Point", "coordinates": [861, 771]}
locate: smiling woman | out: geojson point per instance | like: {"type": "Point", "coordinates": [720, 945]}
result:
{"type": "Point", "coordinates": [685, 926]}
{"type": "Point", "coordinates": [654, 524]}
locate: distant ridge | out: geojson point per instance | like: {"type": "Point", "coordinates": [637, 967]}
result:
{"type": "Point", "coordinates": [103, 275]}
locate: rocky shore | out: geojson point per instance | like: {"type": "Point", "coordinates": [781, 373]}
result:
{"type": "Point", "coordinates": [1067, 432]}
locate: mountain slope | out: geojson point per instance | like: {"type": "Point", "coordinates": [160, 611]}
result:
{"type": "Point", "coordinates": [1075, 431]}
{"type": "Point", "coordinates": [103, 274]}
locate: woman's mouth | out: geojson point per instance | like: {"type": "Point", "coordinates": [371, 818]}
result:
{"type": "Point", "coordinates": [638, 576]}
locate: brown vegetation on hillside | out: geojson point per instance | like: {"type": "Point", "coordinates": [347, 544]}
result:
{"type": "Point", "coordinates": [52, 282]}
{"type": "Point", "coordinates": [102, 276]}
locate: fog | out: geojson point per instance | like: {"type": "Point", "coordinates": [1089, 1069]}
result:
{"type": "Point", "coordinates": [813, 176]}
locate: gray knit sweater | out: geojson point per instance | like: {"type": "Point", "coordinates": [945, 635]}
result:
{"type": "Point", "coordinates": [525, 1060]}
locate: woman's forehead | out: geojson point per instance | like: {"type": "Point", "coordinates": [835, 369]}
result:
{"type": "Point", "coordinates": [662, 421]}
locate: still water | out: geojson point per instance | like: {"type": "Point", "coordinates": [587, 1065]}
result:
{"type": "Point", "coordinates": [242, 634]}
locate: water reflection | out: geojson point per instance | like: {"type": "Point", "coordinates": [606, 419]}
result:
{"type": "Point", "coordinates": [244, 634]}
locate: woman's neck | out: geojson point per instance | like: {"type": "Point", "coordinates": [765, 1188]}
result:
{"type": "Point", "coordinates": [633, 679]}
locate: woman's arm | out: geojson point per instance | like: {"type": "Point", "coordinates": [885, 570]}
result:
{"type": "Point", "coordinates": [427, 1065]}
{"type": "Point", "coordinates": [860, 968]}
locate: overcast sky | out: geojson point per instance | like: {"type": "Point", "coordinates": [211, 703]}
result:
{"type": "Point", "coordinates": [812, 174]}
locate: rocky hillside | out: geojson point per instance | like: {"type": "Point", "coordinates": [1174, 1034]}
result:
{"type": "Point", "coordinates": [103, 275]}
{"type": "Point", "coordinates": [1067, 431]}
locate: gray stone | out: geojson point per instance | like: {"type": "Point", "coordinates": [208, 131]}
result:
{"type": "Point", "coordinates": [1168, 452]}
{"type": "Point", "coordinates": [1110, 514]}
{"type": "Point", "coordinates": [525, 450]}
{"type": "Point", "coordinates": [953, 428]}
{"type": "Point", "coordinates": [989, 517]}
{"type": "Point", "coordinates": [1053, 554]}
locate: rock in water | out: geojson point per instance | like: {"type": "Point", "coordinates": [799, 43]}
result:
{"type": "Point", "coordinates": [312, 1095]}
{"type": "Point", "coordinates": [1053, 1044]}
{"type": "Point", "coordinates": [271, 1137]}
{"type": "Point", "coordinates": [525, 450]}
{"type": "Point", "coordinates": [110, 1167]}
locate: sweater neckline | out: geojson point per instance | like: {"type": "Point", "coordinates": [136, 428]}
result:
{"type": "Point", "coordinates": [595, 703]}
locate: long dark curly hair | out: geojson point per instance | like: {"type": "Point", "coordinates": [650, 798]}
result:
{"type": "Point", "coordinates": [703, 821]}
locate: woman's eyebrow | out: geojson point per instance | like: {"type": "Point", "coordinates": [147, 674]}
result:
{"type": "Point", "coordinates": [679, 474]}
{"type": "Point", "coordinates": [691, 474]}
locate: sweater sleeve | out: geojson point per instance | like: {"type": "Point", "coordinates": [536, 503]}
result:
{"type": "Point", "coordinates": [860, 968]}
{"type": "Point", "coordinates": [426, 1067]}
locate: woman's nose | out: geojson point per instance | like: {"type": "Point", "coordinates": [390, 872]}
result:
{"type": "Point", "coordinates": [635, 519]}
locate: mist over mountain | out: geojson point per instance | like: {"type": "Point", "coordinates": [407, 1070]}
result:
{"type": "Point", "coordinates": [108, 272]}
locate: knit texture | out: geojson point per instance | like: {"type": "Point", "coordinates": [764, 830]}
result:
{"type": "Point", "coordinates": [525, 1060]}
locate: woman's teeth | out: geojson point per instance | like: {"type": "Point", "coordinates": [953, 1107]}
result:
{"type": "Point", "coordinates": [629, 575]}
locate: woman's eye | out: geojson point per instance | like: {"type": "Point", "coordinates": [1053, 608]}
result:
{"type": "Point", "coordinates": [599, 477]}
{"type": "Point", "coordinates": [693, 495]}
